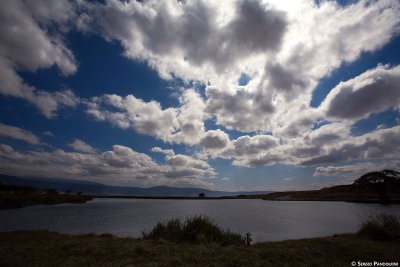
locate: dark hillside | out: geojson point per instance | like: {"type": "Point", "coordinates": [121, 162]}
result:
{"type": "Point", "coordinates": [373, 187]}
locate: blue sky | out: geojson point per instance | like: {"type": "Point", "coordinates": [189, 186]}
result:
{"type": "Point", "coordinates": [249, 95]}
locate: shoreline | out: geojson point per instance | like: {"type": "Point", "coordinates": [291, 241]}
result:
{"type": "Point", "coordinates": [260, 197]}
{"type": "Point", "coordinates": [16, 201]}
{"type": "Point", "coordinates": [20, 200]}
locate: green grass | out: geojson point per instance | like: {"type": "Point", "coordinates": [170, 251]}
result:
{"type": "Point", "coordinates": [197, 229]}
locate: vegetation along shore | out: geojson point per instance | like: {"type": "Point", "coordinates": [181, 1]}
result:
{"type": "Point", "coordinates": [12, 197]}
{"type": "Point", "coordinates": [200, 242]}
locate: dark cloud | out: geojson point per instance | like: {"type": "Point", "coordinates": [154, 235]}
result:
{"type": "Point", "coordinates": [81, 146]}
{"type": "Point", "coordinates": [214, 139]}
{"type": "Point", "coordinates": [380, 144]}
{"type": "Point", "coordinates": [19, 134]}
{"type": "Point", "coordinates": [243, 110]}
{"type": "Point", "coordinates": [373, 91]}
{"type": "Point", "coordinates": [189, 33]}
{"type": "Point", "coordinates": [256, 27]}
{"type": "Point", "coordinates": [285, 79]}
{"type": "Point", "coordinates": [251, 145]}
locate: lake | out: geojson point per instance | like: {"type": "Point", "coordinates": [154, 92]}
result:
{"type": "Point", "coordinates": [265, 220]}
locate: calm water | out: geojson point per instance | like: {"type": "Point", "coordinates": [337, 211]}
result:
{"type": "Point", "coordinates": [265, 220]}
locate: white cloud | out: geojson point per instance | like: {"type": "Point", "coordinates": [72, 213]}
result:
{"type": "Point", "coordinates": [382, 144]}
{"type": "Point", "coordinates": [168, 152]}
{"type": "Point", "coordinates": [186, 161]}
{"type": "Point", "coordinates": [27, 45]}
{"type": "Point", "coordinates": [145, 117]}
{"type": "Point", "coordinates": [329, 144]}
{"type": "Point", "coordinates": [190, 116]}
{"type": "Point", "coordinates": [191, 40]}
{"type": "Point", "coordinates": [19, 134]}
{"type": "Point", "coordinates": [317, 41]}
{"type": "Point", "coordinates": [174, 125]}
{"type": "Point", "coordinates": [284, 48]}
{"type": "Point", "coordinates": [50, 102]}
{"type": "Point", "coordinates": [245, 150]}
{"type": "Point", "coordinates": [22, 21]}
{"type": "Point", "coordinates": [79, 145]}
{"type": "Point", "coordinates": [354, 171]}
{"type": "Point", "coordinates": [48, 134]}
{"type": "Point", "coordinates": [121, 165]}
{"type": "Point", "coordinates": [250, 145]}
{"type": "Point", "coordinates": [381, 126]}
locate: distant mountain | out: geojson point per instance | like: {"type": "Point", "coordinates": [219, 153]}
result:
{"type": "Point", "coordinates": [373, 187]}
{"type": "Point", "coordinates": [93, 188]}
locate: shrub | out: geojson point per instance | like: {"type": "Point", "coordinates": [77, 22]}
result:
{"type": "Point", "coordinates": [197, 229]}
{"type": "Point", "coordinates": [381, 227]}
{"type": "Point", "coordinates": [169, 230]}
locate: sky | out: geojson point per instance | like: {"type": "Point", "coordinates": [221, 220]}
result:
{"type": "Point", "coordinates": [225, 95]}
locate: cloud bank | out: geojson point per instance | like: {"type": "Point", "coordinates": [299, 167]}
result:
{"type": "Point", "coordinates": [121, 165]}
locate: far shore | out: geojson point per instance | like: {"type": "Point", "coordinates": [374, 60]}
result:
{"type": "Point", "coordinates": [284, 196]}
{"type": "Point", "coordinates": [180, 197]}
{"type": "Point", "coordinates": [15, 201]}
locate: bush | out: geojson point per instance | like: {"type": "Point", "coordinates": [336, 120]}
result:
{"type": "Point", "coordinates": [169, 230]}
{"type": "Point", "coordinates": [381, 227]}
{"type": "Point", "coordinates": [197, 229]}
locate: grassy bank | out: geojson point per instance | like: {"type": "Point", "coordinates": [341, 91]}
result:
{"type": "Point", "coordinates": [12, 201]}
{"type": "Point", "coordinates": [42, 248]}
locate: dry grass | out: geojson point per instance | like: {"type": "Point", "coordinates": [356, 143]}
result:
{"type": "Point", "coordinates": [381, 227]}
{"type": "Point", "coordinates": [42, 248]}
